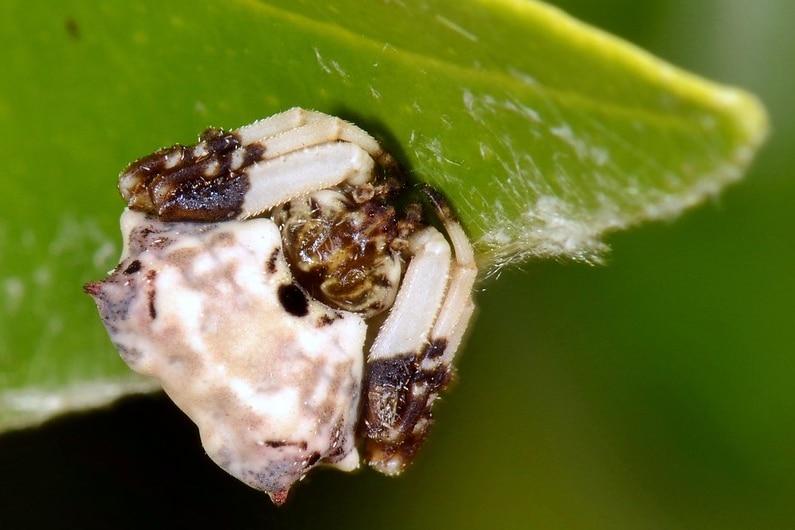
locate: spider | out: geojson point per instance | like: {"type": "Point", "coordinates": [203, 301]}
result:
{"type": "Point", "coordinates": [258, 266]}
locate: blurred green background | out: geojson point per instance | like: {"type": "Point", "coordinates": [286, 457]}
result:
{"type": "Point", "coordinates": [653, 393]}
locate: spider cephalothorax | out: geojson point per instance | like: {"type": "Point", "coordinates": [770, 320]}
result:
{"type": "Point", "coordinates": [345, 246]}
{"type": "Point", "coordinates": [254, 263]}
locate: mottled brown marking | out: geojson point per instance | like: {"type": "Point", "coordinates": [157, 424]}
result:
{"type": "Point", "coordinates": [338, 441]}
{"type": "Point", "coordinates": [398, 407]}
{"type": "Point", "coordinates": [387, 382]}
{"type": "Point", "coordinates": [327, 320]}
{"type": "Point", "coordinates": [187, 190]}
{"type": "Point", "coordinates": [340, 255]}
{"type": "Point", "coordinates": [284, 443]}
{"type": "Point", "coordinates": [150, 293]}
{"type": "Point", "coordinates": [194, 197]}
{"type": "Point", "coordinates": [270, 265]}
{"type": "Point", "coordinates": [435, 348]}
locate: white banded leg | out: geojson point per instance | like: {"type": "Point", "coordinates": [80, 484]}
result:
{"type": "Point", "coordinates": [298, 128]}
{"type": "Point", "coordinates": [410, 361]}
{"type": "Point", "coordinates": [275, 181]}
{"type": "Point", "coordinates": [458, 306]}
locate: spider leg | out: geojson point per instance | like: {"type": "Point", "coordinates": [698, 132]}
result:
{"type": "Point", "coordinates": [275, 181]}
{"type": "Point", "coordinates": [305, 151]}
{"type": "Point", "coordinates": [299, 128]}
{"type": "Point", "coordinates": [243, 173]}
{"type": "Point", "coordinates": [458, 307]}
{"type": "Point", "coordinates": [274, 125]}
{"type": "Point", "coordinates": [410, 362]}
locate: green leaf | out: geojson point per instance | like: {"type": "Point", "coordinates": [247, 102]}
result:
{"type": "Point", "coordinates": [544, 133]}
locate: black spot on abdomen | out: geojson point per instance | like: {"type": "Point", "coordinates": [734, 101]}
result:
{"type": "Point", "coordinates": [293, 300]}
{"type": "Point", "coordinates": [133, 267]}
